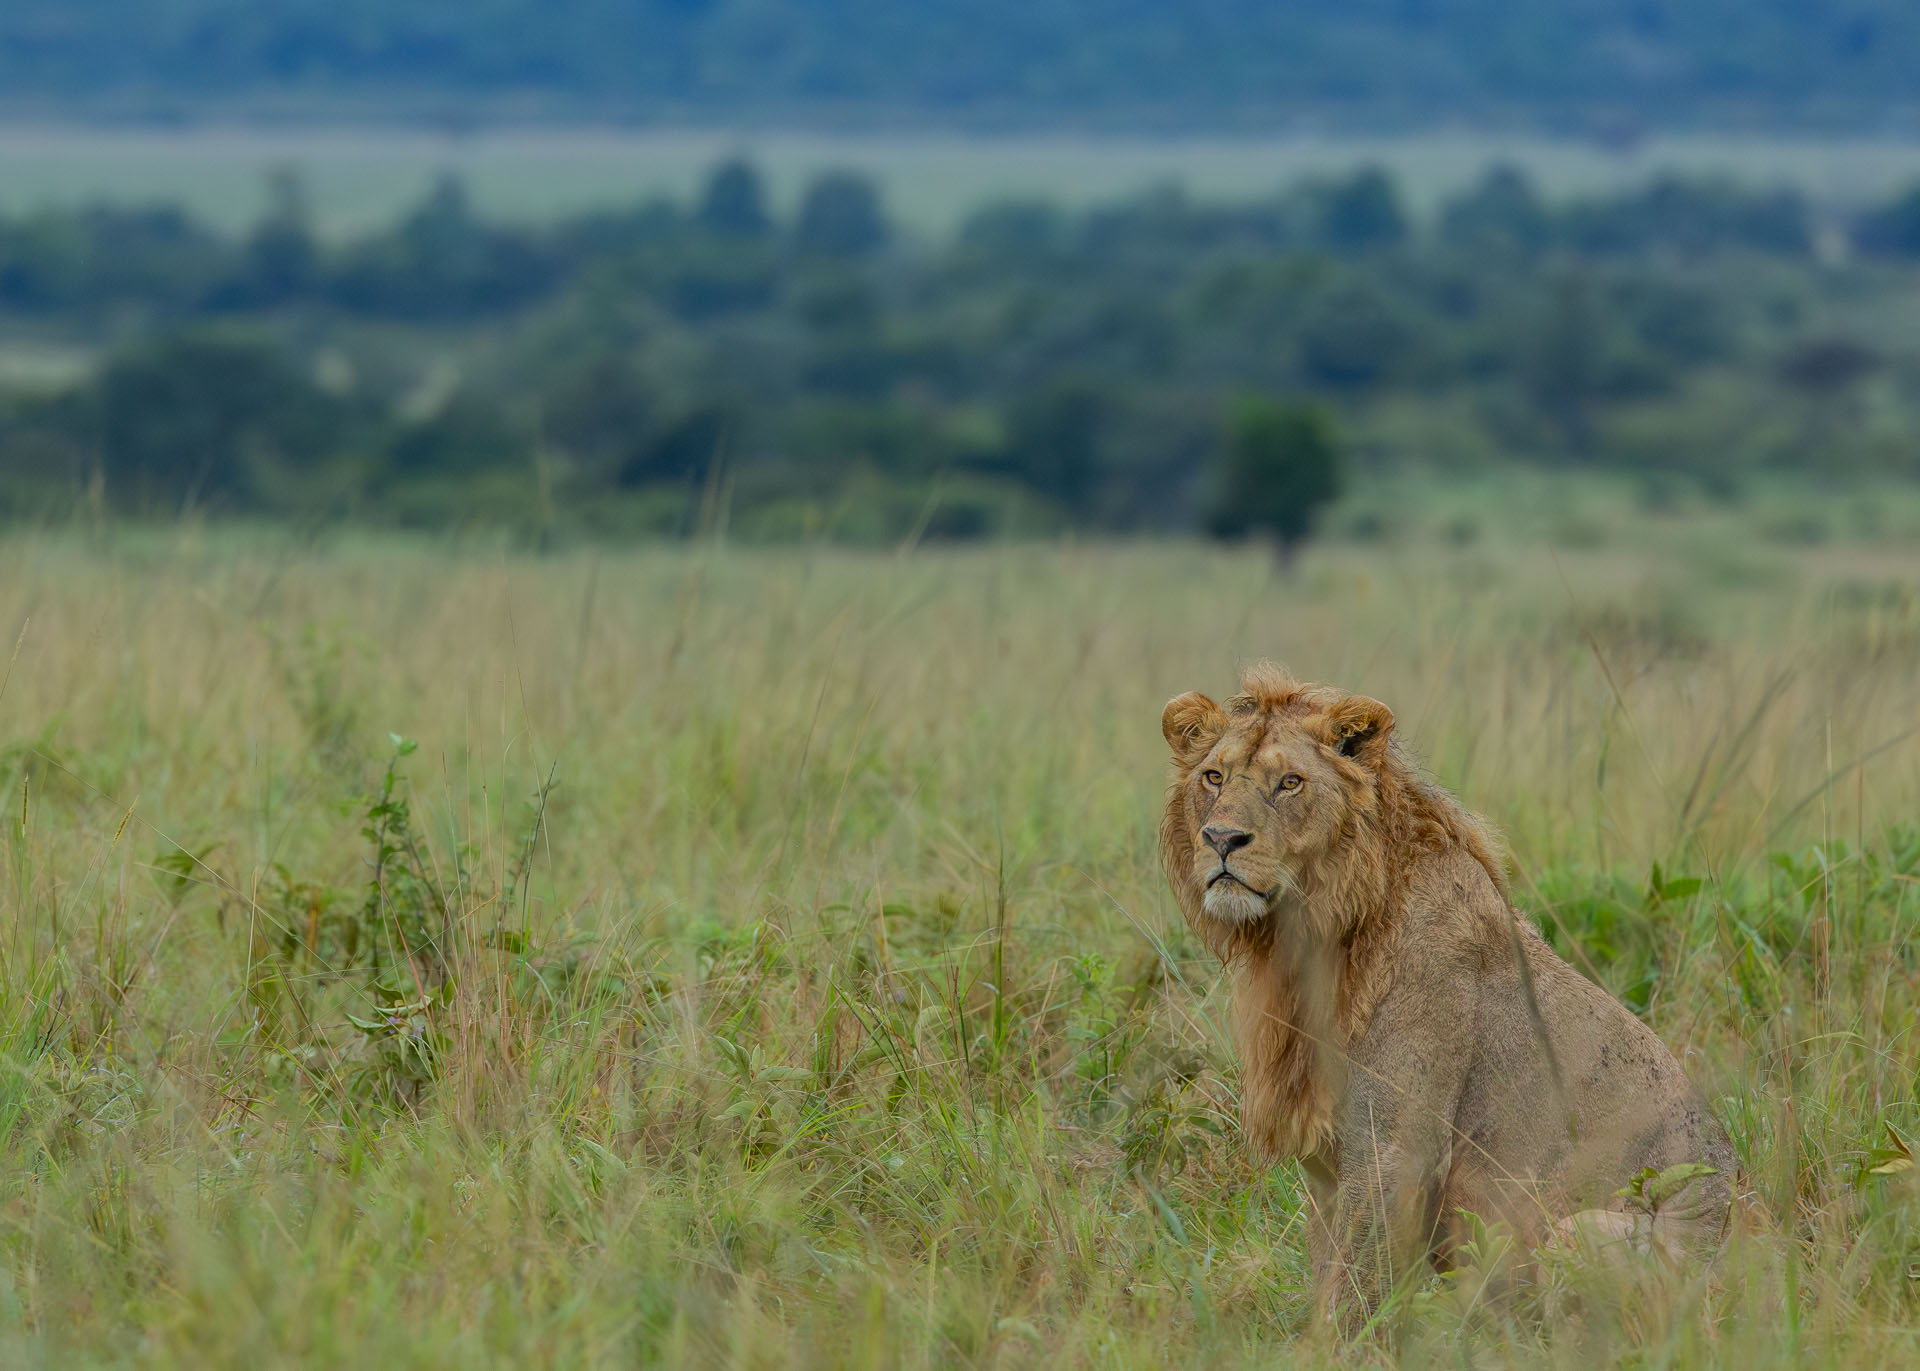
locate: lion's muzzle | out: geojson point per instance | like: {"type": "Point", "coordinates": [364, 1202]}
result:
{"type": "Point", "coordinates": [1231, 900]}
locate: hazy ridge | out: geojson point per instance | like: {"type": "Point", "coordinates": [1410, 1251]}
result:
{"type": "Point", "coordinates": [1607, 67]}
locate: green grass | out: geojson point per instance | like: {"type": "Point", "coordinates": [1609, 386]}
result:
{"type": "Point", "coordinates": [769, 965]}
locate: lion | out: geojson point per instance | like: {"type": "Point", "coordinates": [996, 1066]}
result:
{"type": "Point", "coordinates": [1402, 1031]}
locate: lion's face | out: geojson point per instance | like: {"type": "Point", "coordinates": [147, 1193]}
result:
{"type": "Point", "coordinates": [1262, 792]}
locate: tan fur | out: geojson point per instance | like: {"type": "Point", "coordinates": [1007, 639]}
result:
{"type": "Point", "coordinates": [1400, 1029]}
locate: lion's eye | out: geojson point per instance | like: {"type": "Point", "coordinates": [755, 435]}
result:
{"type": "Point", "coordinates": [1212, 778]}
{"type": "Point", "coordinates": [1291, 782]}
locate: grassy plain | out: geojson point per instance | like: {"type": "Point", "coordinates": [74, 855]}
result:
{"type": "Point", "coordinates": [770, 966]}
{"type": "Point", "coordinates": [363, 178]}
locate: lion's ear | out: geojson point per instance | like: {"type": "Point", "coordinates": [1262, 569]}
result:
{"type": "Point", "coordinates": [1359, 728]}
{"type": "Point", "coordinates": [1192, 724]}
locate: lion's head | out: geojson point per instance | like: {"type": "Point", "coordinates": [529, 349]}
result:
{"type": "Point", "coordinates": [1274, 797]}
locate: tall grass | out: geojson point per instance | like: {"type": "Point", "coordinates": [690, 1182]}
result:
{"type": "Point", "coordinates": [435, 958]}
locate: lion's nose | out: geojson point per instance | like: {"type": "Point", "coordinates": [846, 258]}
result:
{"type": "Point", "coordinates": [1225, 841]}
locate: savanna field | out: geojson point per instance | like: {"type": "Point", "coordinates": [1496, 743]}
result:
{"type": "Point", "coordinates": [424, 954]}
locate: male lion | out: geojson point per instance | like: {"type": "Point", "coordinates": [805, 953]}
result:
{"type": "Point", "coordinates": [1401, 1030]}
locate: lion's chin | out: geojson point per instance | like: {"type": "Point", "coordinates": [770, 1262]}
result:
{"type": "Point", "coordinates": [1232, 903]}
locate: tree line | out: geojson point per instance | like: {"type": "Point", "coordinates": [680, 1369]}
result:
{"type": "Point", "coordinates": [1139, 365]}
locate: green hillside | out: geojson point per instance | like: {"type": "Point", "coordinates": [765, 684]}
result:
{"type": "Point", "coordinates": [1604, 65]}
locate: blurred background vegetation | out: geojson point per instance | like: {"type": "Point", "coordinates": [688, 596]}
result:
{"type": "Point", "coordinates": [1214, 62]}
{"type": "Point", "coordinates": [816, 371]}
{"type": "Point", "coordinates": [686, 267]}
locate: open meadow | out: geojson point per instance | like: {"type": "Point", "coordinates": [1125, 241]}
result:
{"type": "Point", "coordinates": [425, 955]}
{"type": "Point", "coordinates": [362, 178]}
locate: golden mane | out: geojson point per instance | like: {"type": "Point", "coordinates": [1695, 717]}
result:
{"type": "Point", "coordinates": [1302, 990]}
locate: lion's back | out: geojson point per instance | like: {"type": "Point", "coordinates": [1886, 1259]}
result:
{"type": "Point", "coordinates": [1570, 1094]}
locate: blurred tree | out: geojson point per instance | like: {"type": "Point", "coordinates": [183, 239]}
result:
{"type": "Point", "coordinates": [43, 264]}
{"type": "Point", "coordinates": [830, 437]}
{"type": "Point", "coordinates": [599, 412]}
{"type": "Point", "coordinates": [1691, 218]}
{"type": "Point", "coordinates": [1825, 366]}
{"type": "Point", "coordinates": [734, 204]}
{"type": "Point", "coordinates": [1281, 465]}
{"type": "Point", "coordinates": [841, 216]}
{"type": "Point", "coordinates": [158, 254]}
{"type": "Point", "coordinates": [1013, 236]}
{"type": "Point", "coordinates": [1682, 320]}
{"type": "Point", "coordinates": [1080, 353]}
{"type": "Point", "coordinates": [1054, 440]}
{"type": "Point", "coordinates": [715, 277]}
{"type": "Point", "coordinates": [444, 228]}
{"type": "Point", "coordinates": [1892, 229]}
{"type": "Point", "coordinates": [1826, 372]}
{"type": "Point", "coordinates": [442, 262]}
{"type": "Point", "coordinates": [836, 300]}
{"type": "Point", "coordinates": [850, 365]}
{"type": "Point", "coordinates": [1362, 214]}
{"type": "Point", "coordinates": [156, 257]}
{"type": "Point", "coordinates": [604, 233]}
{"type": "Point", "coordinates": [1502, 215]}
{"type": "Point", "coordinates": [282, 261]}
{"type": "Point", "coordinates": [199, 417]}
{"type": "Point", "coordinates": [1563, 360]}
{"type": "Point", "coordinates": [1353, 336]}
{"type": "Point", "coordinates": [686, 448]}
{"type": "Point", "coordinates": [469, 433]}
{"type": "Point", "coordinates": [849, 354]}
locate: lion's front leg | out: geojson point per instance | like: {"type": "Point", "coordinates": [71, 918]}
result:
{"type": "Point", "coordinates": [1323, 1192]}
{"type": "Point", "coordinates": [1379, 1233]}
{"type": "Point", "coordinates": [1395, 1140]}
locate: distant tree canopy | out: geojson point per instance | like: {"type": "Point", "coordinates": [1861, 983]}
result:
{"type": "Point", "coordinates": [1891, 230]}
{"type": "Point", "coordinates": [1279, 470]}
{"type": "Point", "coordinates": [282, 260]}
{"type": "Point", "coordinates": [1502, 215]}
{"type": "Point", "coordinates": [816, 372]}
{"type": "Point", "coordinates": [735, 204]}
{"type": "Point", "coordinates": [1165, 63]}
{"type": "Point", "coordinates": [1362, 214]}
{"type": "Point", "coordinates": [441, 262]}
{"type": "Point", "coordinates": [841, 217]}
{"type": "Point", "coordinates": [206, 417]}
